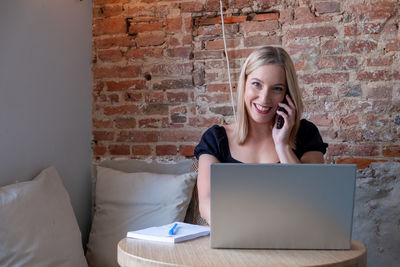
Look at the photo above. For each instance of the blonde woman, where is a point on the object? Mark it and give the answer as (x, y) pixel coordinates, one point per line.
(266, 81)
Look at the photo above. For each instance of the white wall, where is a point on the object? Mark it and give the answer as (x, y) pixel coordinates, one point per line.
(45, 95)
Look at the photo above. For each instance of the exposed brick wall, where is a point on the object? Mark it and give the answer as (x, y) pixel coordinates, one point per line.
(160, 78)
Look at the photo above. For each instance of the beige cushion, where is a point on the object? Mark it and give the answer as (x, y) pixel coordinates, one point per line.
(131, 201)
(37, 224)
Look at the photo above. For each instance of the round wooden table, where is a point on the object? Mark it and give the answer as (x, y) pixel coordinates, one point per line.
(197, 252)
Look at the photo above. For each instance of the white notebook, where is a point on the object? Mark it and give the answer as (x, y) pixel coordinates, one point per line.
(184, 231)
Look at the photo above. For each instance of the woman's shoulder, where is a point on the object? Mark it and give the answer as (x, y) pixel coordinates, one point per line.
(216, 131)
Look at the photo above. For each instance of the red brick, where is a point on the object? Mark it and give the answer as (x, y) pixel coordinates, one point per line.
(366, 150)
(153, 123)
(394, 46)
(363, 46)
(177, 97)
(150, 38)
(219, 44)
(135, 28)
(117, 72)
(302, 48)
(381, 92)
(99, 150)
(142, 53)
(322, 91)
(107, 11)
(194, 6)
(186, 150)
(109, 26)
(217, 29)
(327, 7)
(175, 68)
(240, 3)
(125, 109)
(205, 121)
(104, 2)
(154, 97)
(240, 53)
(351, 30)
(321, 120)
(266, 4)
(133, 96)
(260, 40)
(143, 150)
(109, 55)
(183, 52)
(103, 136)
(154, 109)
(349, 120)
(138, 19)
(113, 98)
(266, 16)
(125, 85)
(379, 10)
(214, 5)
(380, 61)
(325, 78)
(342, 63)
(219, 88)
(304, 15)
(119, 149)
(118, 41)
(391, 151)
(165, 150)
(173, 84)
(373, 76)
(259, 26)
(102, 124)
(201, 55)
(286, 16)
(180, 135)
(138, 136)
(362, 163)
(338, 149)
(174, 24)
(125, 123)
(316, 31)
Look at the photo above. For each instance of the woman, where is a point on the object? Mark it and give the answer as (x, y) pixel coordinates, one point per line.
(266, 79)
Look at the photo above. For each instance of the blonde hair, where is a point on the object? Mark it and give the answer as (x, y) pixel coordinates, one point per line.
(266, 56)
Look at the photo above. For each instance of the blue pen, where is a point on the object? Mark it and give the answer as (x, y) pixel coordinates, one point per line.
(172, 231)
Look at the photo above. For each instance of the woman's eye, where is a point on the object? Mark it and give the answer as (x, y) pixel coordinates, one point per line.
(278, 89)
(256, 84)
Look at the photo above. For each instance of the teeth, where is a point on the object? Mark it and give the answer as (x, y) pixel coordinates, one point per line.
(261, 108)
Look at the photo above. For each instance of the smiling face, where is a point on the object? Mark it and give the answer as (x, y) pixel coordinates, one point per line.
(265, 87)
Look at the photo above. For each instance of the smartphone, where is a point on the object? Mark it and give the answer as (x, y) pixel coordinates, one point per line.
(281, 121)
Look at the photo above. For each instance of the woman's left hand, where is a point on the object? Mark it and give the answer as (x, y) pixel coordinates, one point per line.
(281, 136)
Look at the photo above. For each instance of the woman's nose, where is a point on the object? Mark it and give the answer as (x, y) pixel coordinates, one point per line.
(264, 94)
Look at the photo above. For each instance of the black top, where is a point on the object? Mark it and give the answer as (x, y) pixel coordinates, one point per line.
(215, 142)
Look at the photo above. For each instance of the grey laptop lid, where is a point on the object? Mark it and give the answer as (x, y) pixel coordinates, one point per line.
(282, 206)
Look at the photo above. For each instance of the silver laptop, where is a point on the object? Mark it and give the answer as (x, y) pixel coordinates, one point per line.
(282, 206)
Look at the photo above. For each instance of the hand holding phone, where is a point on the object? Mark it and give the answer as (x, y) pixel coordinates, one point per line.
(281, 121)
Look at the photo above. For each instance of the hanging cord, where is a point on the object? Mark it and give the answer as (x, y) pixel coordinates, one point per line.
(227, 60)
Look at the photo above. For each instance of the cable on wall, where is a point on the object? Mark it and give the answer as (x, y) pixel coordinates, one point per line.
(227, 59)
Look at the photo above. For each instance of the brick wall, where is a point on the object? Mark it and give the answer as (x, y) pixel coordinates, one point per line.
(160, 77)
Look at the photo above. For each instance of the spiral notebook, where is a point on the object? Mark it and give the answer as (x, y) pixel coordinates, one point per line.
(183, 232)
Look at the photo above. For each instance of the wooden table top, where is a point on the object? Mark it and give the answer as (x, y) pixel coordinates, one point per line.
(197, 252)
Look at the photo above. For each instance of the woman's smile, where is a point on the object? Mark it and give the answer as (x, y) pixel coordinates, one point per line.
(262, 109)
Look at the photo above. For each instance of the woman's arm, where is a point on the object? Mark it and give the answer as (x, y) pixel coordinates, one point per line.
(312, 157)
(203, 185)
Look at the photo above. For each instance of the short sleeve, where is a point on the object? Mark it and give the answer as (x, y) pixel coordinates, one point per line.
(308, 139)
(213, 142)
